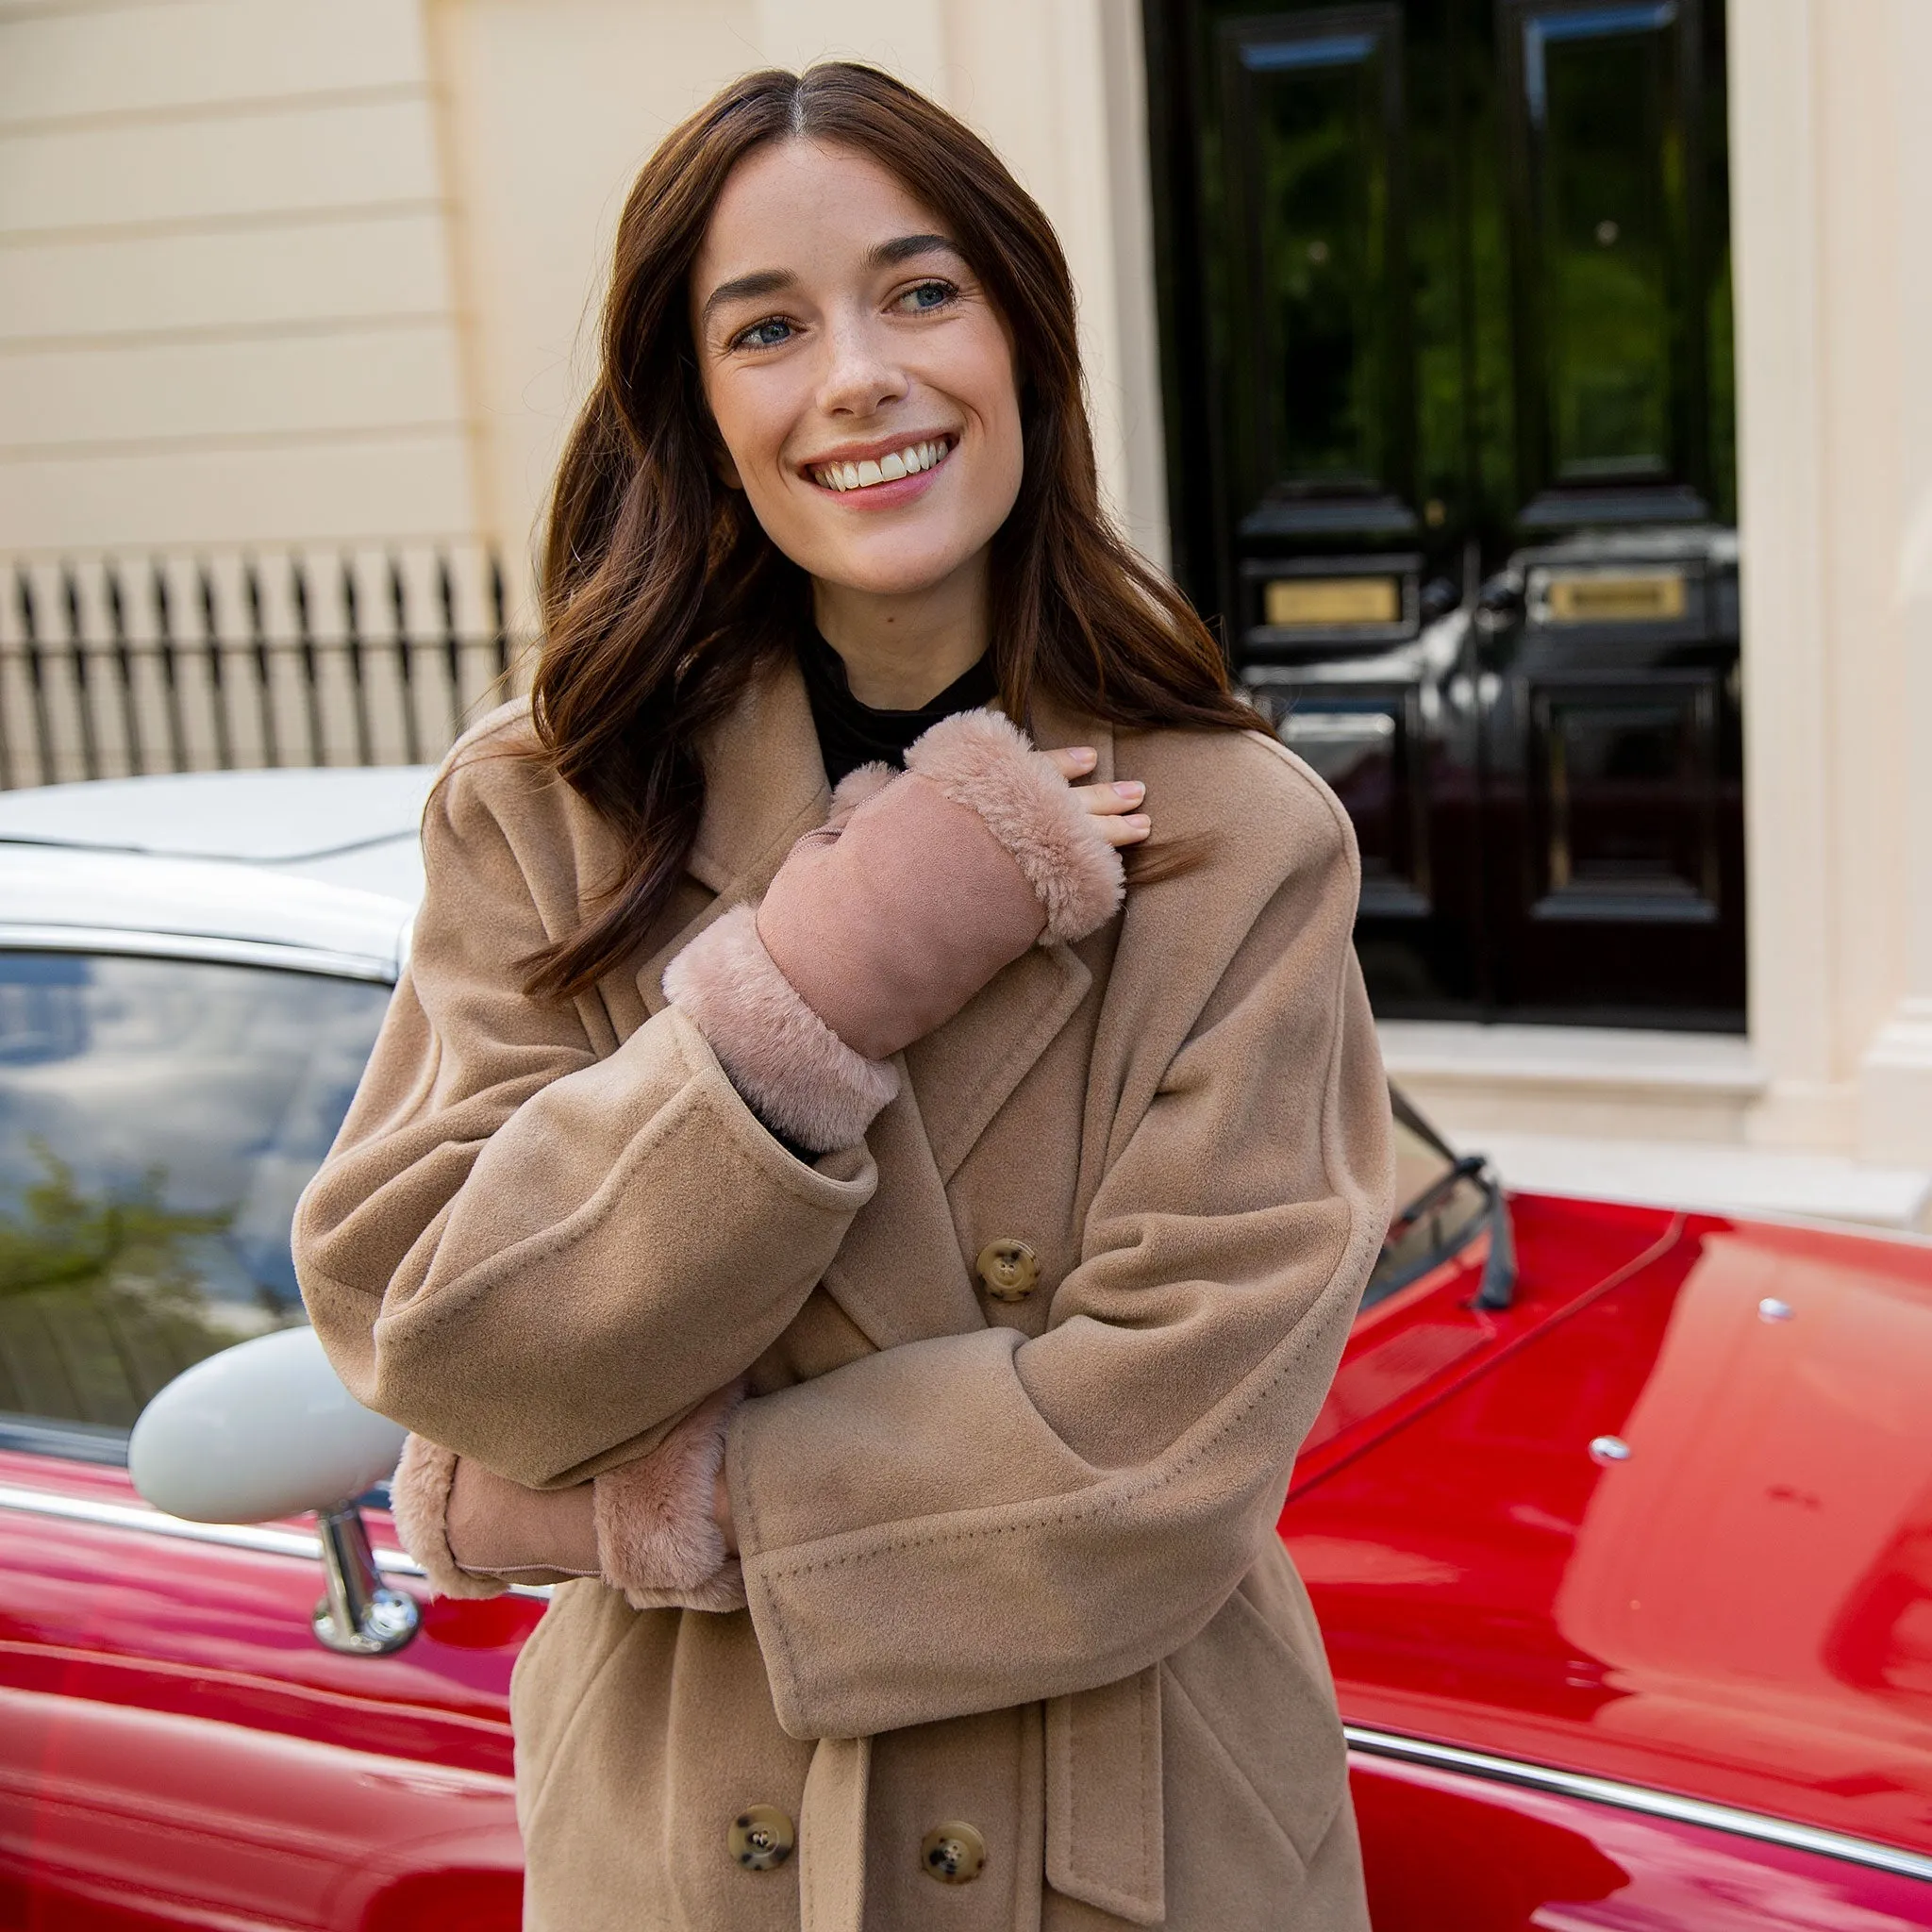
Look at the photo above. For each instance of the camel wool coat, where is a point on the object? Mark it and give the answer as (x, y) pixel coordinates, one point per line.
(1007, 1517)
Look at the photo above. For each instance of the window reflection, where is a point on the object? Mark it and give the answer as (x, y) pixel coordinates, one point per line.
(157, 1119)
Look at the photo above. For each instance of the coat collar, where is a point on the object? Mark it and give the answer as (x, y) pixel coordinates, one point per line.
(765, 785)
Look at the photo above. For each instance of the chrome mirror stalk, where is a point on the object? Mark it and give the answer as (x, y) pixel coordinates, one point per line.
(360, 1616)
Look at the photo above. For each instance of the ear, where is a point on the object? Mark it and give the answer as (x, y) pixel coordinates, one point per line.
(727, 469)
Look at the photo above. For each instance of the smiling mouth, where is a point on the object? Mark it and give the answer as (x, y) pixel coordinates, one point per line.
(890, 467)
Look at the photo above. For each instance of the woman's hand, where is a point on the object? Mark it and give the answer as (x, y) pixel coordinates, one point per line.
(1116, 806)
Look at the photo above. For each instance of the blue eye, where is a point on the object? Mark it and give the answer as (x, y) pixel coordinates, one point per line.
(928, 295)
(763, 335)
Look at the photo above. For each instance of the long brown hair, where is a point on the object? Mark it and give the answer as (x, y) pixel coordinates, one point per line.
(662, 597)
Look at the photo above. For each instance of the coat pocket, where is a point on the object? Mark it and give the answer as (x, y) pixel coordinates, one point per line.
(1254, 1742)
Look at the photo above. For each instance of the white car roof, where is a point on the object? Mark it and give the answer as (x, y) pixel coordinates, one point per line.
(271, 865)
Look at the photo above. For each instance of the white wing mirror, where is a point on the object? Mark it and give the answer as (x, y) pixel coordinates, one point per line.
(266, 1429)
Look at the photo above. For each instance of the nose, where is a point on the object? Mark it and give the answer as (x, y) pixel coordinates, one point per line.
(860, 375)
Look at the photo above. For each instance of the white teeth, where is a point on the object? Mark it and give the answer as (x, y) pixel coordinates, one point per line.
(909, 462)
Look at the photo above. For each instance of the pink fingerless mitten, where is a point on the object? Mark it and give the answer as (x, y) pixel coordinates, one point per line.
(880, 926)
(646, 1527)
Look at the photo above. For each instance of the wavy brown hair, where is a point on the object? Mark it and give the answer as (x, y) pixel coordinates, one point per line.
(662, 597)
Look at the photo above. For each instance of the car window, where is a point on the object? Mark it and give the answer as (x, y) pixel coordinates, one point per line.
(157, 1119)
(1436, 1215)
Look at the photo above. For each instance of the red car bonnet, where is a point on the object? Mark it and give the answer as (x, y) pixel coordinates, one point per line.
(1739, 1608)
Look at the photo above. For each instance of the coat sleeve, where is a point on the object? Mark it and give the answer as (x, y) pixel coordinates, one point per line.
(526, 1249)
(983, 1520)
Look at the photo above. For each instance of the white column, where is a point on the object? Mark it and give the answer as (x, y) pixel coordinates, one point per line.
(1895, 1072)
(1832, 182)
(1781, 442)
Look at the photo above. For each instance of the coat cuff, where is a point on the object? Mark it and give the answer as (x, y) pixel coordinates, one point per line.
(658, 1535)
(419, 1501)
(795, 1072)
(984, 761)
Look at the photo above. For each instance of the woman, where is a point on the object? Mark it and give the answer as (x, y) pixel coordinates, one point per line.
(886, 1274)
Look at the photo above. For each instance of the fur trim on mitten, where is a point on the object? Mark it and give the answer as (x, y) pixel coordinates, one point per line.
(799, 1075)
(419, 1501)
(658, 1535)
(983, 760)
(857, 786)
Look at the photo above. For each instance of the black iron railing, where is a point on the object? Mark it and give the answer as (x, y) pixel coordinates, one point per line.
(218, 662)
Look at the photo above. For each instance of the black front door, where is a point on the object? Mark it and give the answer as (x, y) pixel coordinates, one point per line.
(1446, 316)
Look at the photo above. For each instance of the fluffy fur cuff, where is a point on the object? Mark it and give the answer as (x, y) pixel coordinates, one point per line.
(857, 786)
(658, 1535)
(984, 761)
(799, 1075)
(419, 1500)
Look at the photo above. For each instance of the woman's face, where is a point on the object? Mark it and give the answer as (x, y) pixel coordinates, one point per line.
(861, 381)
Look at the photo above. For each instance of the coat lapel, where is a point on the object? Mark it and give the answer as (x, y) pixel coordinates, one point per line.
(899, 1274)
(765, 787)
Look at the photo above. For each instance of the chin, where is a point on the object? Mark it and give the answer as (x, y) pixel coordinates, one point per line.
(896, 570)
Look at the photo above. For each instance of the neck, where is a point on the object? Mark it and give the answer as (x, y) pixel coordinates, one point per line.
(901, 651)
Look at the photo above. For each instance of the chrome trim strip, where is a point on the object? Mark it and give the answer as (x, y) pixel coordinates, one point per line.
(1603, 1790)
(232, 1536)
(122, 943)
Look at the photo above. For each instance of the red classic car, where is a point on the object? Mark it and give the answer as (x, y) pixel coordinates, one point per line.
(1619, 1519)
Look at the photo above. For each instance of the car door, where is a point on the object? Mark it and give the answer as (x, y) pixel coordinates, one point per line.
(176, 1746)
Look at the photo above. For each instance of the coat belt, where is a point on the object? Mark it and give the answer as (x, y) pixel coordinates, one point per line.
(1103, 1768)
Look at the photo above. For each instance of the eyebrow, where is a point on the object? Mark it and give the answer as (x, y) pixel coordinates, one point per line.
(890, 253)
(773, 282)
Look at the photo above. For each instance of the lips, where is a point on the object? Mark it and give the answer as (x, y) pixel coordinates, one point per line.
(913, 460)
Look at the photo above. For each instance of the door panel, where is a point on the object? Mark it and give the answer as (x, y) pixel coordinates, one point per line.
(1314, 118)
(1365, 744)
(1602, 110)
(177, 1749)
(1445, 302)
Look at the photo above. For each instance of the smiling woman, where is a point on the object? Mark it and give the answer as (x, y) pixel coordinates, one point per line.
(812, 270)
(874, 1251)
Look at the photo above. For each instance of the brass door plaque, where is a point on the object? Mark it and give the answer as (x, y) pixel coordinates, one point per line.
(1330, 603)
(1649, 596)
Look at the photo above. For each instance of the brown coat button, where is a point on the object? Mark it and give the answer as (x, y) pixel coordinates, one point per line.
(761, 1837)
(1009, 1268)
(953, 1852)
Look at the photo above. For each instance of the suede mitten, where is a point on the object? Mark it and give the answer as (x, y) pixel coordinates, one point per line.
(881, 924)
(646, 1527)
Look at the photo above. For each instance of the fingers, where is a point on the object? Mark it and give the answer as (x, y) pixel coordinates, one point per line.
(1127, 831)
(1116, 806)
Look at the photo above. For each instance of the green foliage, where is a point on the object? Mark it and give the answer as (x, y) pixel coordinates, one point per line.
(101, 1302)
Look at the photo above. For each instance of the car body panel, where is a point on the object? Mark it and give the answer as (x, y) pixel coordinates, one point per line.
(101, 899)
(280, 818)
(1741, 1611)
(1524, 1858)
(177, 1748)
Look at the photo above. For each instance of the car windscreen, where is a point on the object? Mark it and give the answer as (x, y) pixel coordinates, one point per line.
(1439, 1209)
(157, 1119)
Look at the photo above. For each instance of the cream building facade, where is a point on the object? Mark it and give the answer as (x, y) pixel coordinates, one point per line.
(318, 277)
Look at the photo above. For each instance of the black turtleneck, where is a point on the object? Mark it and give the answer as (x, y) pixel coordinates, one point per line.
(852, 734)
